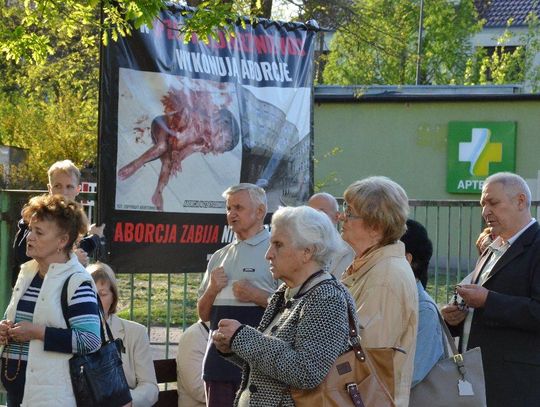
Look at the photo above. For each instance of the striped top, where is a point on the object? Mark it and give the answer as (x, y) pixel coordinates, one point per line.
(83, 336)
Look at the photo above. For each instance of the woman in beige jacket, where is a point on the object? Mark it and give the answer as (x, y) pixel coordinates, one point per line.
(380, 279)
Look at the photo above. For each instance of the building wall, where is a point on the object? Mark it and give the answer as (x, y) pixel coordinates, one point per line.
(406, 141)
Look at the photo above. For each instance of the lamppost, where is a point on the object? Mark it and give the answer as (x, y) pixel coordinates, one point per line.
(419, 50)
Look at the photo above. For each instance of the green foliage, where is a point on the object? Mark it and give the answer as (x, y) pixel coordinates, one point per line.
(48, 98)
(378, 45)
(208, 18)
(62, 127)
(44, 20)
(508, 65)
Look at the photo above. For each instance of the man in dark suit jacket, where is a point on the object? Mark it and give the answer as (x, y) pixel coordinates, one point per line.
(504, 297)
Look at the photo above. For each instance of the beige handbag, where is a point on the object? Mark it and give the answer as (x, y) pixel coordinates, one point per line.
(457, 381)
(358, 378)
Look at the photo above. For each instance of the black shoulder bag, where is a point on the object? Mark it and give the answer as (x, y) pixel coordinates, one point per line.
(98, 378)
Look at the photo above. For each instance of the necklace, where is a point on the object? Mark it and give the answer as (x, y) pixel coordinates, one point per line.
(12, 378)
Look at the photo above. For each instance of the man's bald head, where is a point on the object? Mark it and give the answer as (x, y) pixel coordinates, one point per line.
(326, 203)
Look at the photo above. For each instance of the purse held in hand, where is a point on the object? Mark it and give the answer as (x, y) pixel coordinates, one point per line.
(98, 378)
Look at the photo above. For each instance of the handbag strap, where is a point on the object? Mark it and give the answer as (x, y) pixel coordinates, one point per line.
(104, 326)
(352, 389)
(456, 356)
(354, 340)
(447, 334)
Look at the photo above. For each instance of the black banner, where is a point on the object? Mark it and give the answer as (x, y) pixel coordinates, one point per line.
(181, 121)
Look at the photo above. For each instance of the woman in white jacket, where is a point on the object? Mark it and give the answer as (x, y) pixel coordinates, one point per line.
(136, 359)
(35, 342)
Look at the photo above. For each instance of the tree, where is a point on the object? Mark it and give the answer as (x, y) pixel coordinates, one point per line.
(49, 107)
(508, 64)
(32, 40)
(49, 91)
(329, 15)
(64, 127)
(378, 44)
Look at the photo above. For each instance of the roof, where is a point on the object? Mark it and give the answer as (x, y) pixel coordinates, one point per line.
(498, 12)
(452, 93)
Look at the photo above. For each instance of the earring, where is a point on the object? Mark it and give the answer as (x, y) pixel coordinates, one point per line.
(58, 250)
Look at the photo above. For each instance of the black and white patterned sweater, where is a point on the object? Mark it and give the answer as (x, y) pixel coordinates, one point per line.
(301, 347)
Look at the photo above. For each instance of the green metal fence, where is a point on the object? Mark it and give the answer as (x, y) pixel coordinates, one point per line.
(166, 303)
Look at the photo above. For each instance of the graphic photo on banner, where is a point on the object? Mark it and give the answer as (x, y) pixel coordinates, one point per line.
(179, 133)
(175, 134)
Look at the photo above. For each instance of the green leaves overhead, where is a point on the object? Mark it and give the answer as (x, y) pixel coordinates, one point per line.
(378, 45)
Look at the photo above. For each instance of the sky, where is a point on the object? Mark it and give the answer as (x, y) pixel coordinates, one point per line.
(283, 10)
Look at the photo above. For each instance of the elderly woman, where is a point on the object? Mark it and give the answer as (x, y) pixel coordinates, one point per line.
(136, 360)
(380, 279)
(305, 326)
(35, 343)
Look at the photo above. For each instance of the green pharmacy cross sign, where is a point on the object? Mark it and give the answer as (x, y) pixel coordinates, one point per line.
(477, 150)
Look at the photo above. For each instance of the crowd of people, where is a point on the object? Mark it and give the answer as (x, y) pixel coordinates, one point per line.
(276, 306)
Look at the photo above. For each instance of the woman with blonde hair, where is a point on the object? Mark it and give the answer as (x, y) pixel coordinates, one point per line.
(380, 278)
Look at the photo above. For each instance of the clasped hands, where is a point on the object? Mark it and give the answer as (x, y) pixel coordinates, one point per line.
(242, 290)
(473, 295)
(19, 332)
(222, 336)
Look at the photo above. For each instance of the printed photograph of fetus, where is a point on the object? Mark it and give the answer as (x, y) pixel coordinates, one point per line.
(178, 142)
(183, 141)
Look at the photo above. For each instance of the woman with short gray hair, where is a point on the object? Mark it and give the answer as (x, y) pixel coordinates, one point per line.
(305, 326)
(380, 279)
(306, 228)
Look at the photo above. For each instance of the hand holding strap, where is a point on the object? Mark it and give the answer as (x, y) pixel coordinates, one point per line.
(458, 357)
(104, 327)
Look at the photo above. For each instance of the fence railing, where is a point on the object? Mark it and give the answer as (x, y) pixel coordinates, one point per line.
(166, 303)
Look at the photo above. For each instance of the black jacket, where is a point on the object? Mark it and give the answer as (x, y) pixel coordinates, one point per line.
(507, 328)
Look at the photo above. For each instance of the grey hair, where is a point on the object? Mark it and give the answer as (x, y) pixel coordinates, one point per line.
(328, 197)
(512, 183)
(256, 193)
(309, 228)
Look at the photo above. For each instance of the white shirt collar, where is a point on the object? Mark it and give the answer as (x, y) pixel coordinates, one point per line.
(518, 234)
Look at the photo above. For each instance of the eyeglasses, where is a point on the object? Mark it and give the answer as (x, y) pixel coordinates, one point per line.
(347, 213)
